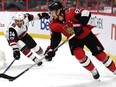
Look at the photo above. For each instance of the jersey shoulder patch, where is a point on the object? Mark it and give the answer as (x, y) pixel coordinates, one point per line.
(85, 13)
(77, 11)
(12, 34)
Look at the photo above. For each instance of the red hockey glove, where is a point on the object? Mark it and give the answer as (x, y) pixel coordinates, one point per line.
(49, 54)
(78, 29)
(44, 15)
(16, 54)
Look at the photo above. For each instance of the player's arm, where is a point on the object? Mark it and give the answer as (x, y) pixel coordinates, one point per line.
(82, 17)
(37, 16)
(54, 42)
(13, 38)
(55, 39)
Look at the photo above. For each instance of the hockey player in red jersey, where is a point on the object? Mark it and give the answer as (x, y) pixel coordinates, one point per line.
(75, 21)
(18, 38)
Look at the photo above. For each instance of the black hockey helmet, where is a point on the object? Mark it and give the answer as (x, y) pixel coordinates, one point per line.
(55, 6)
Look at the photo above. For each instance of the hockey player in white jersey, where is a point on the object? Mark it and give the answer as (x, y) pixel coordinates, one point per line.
(18, 38)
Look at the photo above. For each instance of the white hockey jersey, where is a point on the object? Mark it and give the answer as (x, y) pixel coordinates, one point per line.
(15, 33)
(22, 30)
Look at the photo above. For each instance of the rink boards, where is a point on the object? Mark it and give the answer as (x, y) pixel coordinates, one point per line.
(105, 29)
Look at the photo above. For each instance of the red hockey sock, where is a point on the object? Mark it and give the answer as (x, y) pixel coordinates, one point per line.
(84, 60)
(27, 52)
(107, 61)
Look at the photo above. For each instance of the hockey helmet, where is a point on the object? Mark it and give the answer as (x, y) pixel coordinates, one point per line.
(55, 6)
(19, 16)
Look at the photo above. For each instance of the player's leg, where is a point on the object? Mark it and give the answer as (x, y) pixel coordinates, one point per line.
(27, 52)
(38, 50)
(97, 50)
(107, 61)
(86, 62)
(76, 48)
(30, 42)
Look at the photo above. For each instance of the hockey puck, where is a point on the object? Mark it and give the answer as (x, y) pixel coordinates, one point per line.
(10, 80)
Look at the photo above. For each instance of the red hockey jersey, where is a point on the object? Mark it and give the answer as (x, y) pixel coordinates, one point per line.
(67, 27)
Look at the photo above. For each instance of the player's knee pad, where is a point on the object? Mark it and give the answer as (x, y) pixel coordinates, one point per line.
(79, 53)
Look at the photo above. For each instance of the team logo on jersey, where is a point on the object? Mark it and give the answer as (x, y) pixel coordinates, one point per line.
(70, 30)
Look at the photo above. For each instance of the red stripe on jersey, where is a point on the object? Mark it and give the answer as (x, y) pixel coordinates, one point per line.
(12, 44)
(10, 41)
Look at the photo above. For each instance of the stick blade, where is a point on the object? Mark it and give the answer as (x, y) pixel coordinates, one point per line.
(10, 78)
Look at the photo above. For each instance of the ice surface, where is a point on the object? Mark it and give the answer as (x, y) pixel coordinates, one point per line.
(63, 71)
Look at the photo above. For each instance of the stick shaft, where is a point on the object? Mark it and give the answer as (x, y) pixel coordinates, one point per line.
(13, 78)
(9, 66)
(44, 56)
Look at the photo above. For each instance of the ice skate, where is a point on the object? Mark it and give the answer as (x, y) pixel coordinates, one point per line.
(95, 74)
(36, 60)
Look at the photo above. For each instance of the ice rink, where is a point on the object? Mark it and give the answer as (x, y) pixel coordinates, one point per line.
(63, 71)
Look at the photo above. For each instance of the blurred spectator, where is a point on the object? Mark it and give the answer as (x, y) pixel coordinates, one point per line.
(62, 1)
(15, 5)
(114, 3)
(37, 4)
(102, 5)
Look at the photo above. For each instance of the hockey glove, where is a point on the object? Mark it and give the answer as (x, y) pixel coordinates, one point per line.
(16, 54)
(78, 29)
(44, 15)
(49, 54)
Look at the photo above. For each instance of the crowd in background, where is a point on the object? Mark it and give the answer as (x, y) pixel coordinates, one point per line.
(43, 4)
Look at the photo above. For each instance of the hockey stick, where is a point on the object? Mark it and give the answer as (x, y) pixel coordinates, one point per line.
(11, 78)
(8, 66)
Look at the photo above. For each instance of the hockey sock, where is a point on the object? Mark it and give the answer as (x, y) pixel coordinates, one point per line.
(38, 50)
(84, 60)
(27, 52)
(107, 61)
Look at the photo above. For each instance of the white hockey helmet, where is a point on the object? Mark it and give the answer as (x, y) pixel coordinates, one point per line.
(19, 16)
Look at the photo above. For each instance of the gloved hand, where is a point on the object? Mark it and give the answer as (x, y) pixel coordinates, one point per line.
(78, 29)
(44, 15)
(49, 54)
(16, 54)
